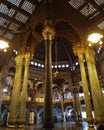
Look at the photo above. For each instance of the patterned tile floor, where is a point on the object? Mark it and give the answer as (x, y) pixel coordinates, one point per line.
(58, 126)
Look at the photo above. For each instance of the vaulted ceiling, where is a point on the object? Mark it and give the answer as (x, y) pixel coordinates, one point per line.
(73, 20)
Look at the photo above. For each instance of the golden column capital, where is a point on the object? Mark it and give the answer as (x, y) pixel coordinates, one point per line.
(27, 55)
(79, 51)
(48, 31)
(18, 60)
(27, 58)
(22, 55)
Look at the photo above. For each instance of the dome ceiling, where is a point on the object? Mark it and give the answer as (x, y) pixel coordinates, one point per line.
(61, 50)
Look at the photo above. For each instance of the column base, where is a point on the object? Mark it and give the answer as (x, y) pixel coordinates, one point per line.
(12, 123)
(90, 122)
(91, 129)
(11, 126)
(91, 125)
(21, 126)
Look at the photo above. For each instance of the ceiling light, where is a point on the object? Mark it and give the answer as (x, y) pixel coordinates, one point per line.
(63, 66)
(89, 44)
(36, 64)
(16, 52)
(5, 50)
(39, 65)
(76, 63)
(3, 44)
(42, 66)
(67, 65)
(55, 66)
(32, 63)
(5, 90)
(100, 42)
(59, 66)
(95, 37)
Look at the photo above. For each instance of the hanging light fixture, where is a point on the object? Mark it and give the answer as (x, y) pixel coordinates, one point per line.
(95, 37)
(3, 45)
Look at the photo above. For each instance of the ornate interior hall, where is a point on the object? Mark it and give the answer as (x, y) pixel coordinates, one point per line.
(52, 64)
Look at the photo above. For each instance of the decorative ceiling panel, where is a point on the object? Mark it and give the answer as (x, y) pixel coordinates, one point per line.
(1, 32)
(97, 13)
(13, 26)
(39, 0)
(88, 9)
(76, 3)
(5, 10)
(15, 2)
(15, 13)
(8, 36)
(101, 25)
(21, 17)
(11, 12)
(3, 22)
(99, 2)
(27, 6)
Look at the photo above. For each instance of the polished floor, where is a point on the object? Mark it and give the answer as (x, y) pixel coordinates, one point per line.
(58, 126)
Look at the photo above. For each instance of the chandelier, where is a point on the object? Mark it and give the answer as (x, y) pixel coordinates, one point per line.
(3, 45)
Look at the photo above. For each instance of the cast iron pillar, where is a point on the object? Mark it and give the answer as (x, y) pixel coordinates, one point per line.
(21, 120)
(14, 107)
(79, 51)
(95, 86)
(48, 35)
